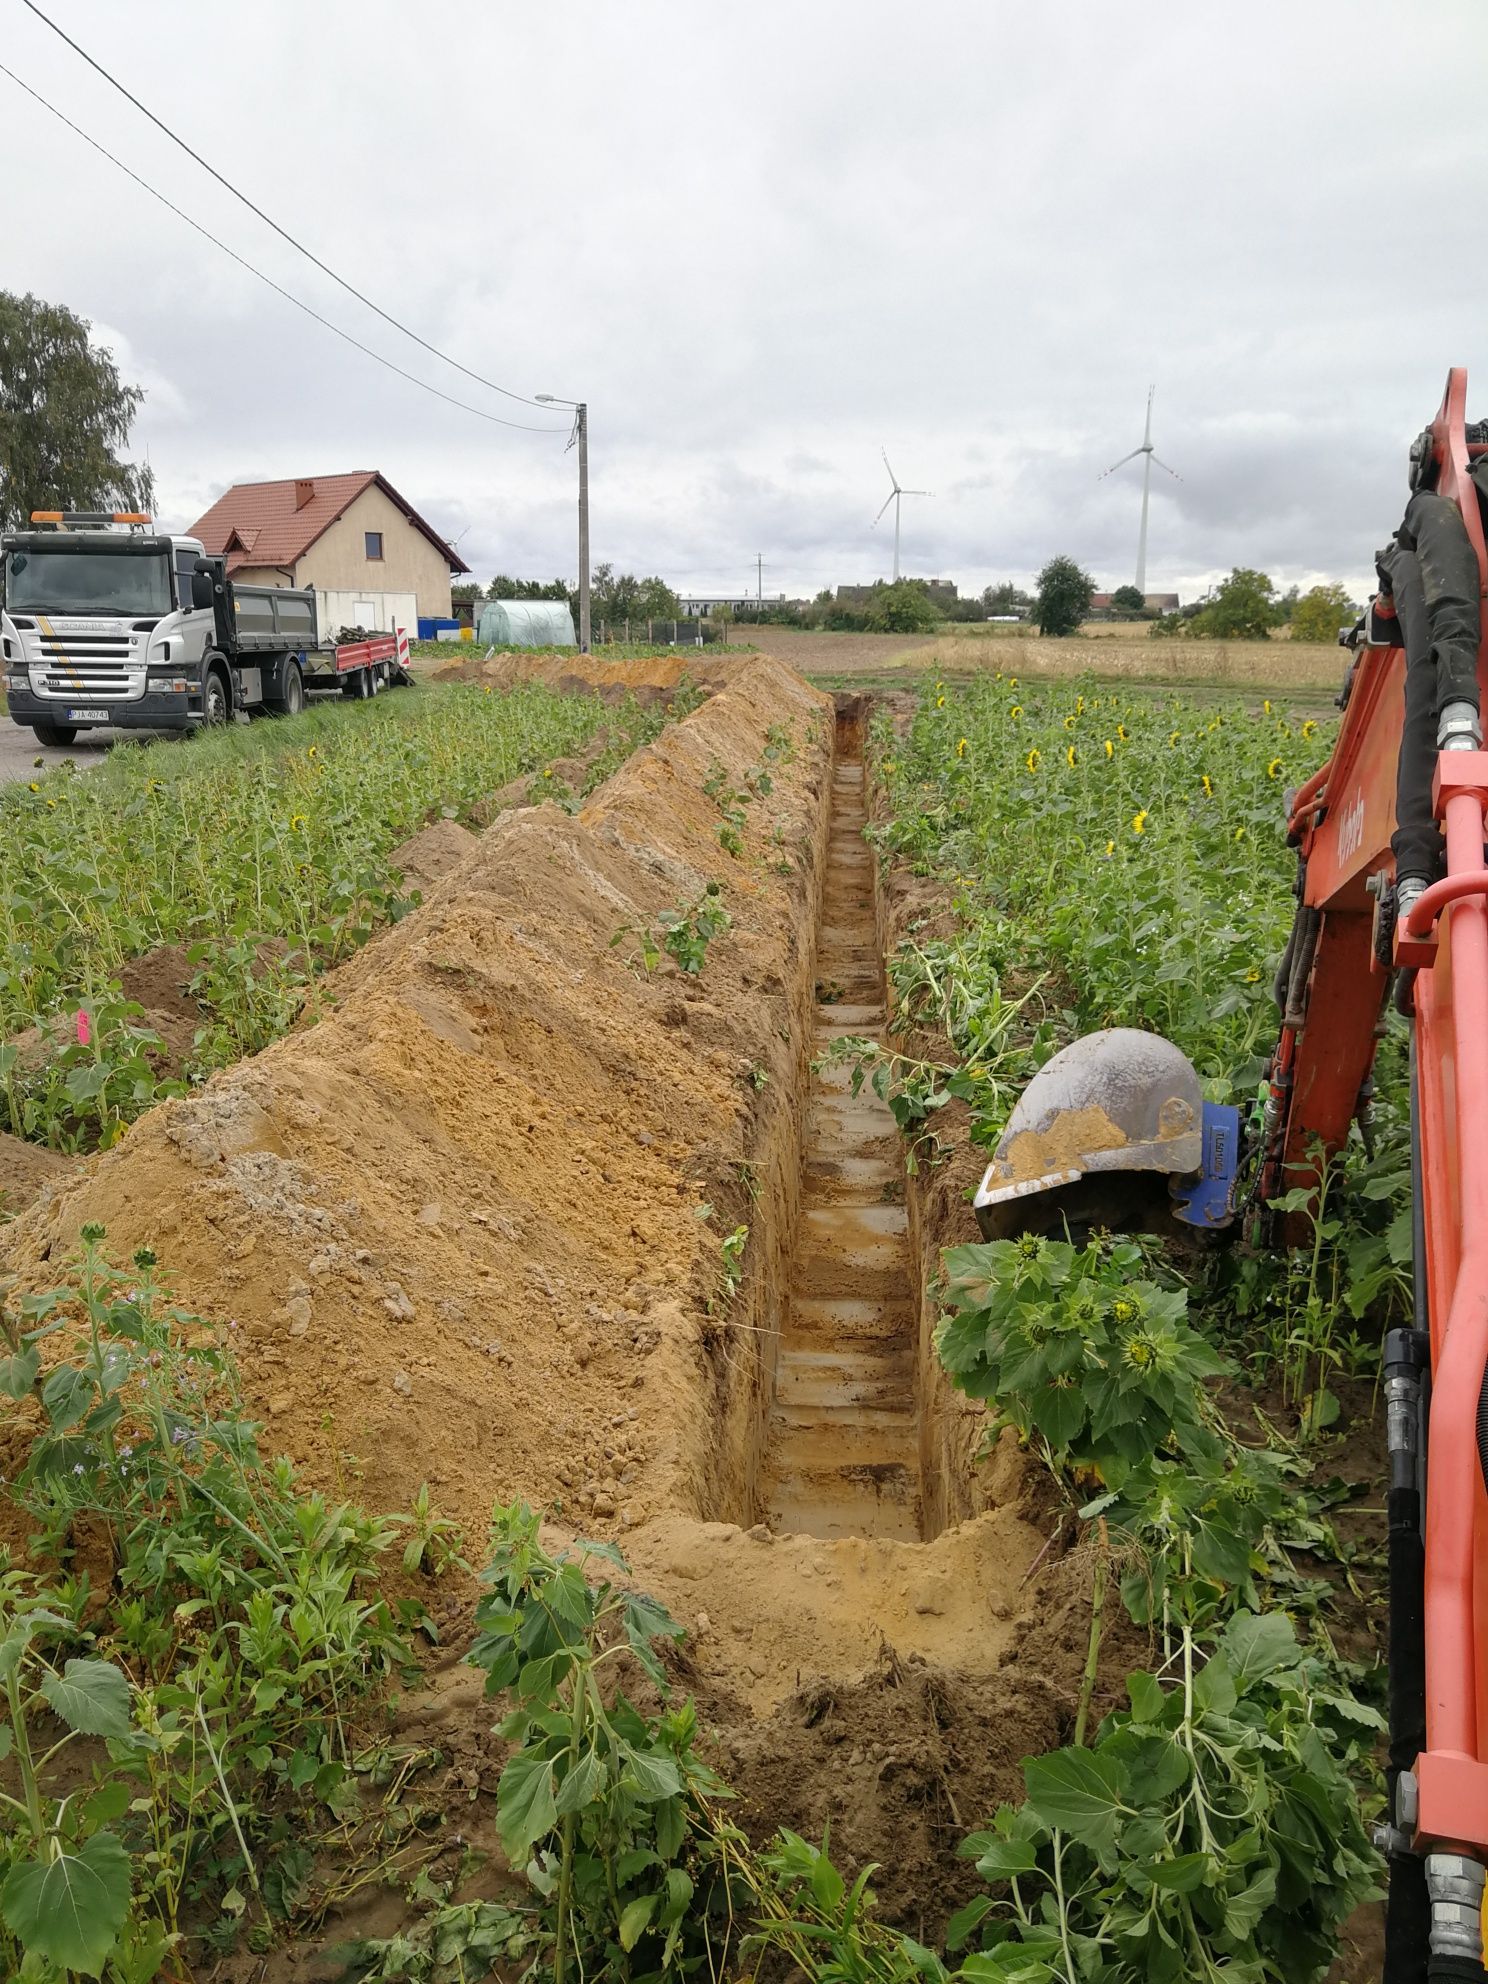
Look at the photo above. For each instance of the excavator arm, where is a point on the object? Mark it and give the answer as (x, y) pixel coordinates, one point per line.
(1393, 900)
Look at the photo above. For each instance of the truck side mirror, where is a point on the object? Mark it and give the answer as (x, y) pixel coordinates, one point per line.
(202, 590)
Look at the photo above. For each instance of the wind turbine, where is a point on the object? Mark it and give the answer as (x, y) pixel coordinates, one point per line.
(1148, 458)
(895, 492)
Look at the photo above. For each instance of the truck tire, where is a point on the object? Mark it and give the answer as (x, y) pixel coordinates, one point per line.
(53, 733)
(290, 697)
(216, 699)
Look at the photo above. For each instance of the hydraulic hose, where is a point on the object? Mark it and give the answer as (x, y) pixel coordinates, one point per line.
(1431, 571)
(1408, 1906)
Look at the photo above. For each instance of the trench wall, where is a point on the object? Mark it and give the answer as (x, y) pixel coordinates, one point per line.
(456, 1229)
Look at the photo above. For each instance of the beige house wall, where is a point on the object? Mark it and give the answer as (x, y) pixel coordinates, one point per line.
(338, 561)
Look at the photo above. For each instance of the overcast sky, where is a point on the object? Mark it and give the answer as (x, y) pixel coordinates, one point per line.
(767, 241)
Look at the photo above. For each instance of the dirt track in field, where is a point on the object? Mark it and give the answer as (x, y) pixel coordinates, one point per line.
(458, 1227)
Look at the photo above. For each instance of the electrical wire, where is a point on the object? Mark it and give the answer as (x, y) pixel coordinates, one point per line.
(480, 413)
(267, 219)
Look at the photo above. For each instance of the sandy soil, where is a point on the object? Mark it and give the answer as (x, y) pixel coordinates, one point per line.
(459, 1228)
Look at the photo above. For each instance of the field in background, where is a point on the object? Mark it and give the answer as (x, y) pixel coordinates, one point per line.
(846, 660)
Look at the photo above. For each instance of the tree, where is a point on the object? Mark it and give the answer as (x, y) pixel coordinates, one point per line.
(1006, 598)
(1242, 608)
(1320, 613)
(902, 608)
(1063, 599)
(655, 600)
(1128, 599)
(64, 415)
(466, 589)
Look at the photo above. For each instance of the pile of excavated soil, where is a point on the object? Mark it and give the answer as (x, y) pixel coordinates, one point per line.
(467, 1228)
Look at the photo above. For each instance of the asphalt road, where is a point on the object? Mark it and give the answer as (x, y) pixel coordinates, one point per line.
(20, 753)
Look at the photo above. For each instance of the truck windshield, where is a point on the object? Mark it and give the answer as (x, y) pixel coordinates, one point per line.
(68, 581)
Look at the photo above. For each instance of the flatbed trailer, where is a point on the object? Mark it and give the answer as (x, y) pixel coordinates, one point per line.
(116, 627)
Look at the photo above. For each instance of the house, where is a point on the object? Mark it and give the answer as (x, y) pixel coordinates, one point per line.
(702, 606)
(1152, 602)
(940, 590)
(350, 535)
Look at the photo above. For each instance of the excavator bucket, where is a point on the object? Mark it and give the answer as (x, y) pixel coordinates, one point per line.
(1117, 1101)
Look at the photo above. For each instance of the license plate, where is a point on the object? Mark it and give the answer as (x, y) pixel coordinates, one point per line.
(87, 716)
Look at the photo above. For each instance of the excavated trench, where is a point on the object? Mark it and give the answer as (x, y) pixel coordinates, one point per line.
(842, 1443)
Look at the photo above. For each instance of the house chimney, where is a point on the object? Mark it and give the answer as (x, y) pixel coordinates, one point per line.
(304, 492)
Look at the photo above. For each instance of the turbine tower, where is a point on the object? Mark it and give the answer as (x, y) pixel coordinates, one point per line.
(895, 492)
(1148, 458)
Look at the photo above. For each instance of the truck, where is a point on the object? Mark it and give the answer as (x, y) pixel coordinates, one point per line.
(108, 623)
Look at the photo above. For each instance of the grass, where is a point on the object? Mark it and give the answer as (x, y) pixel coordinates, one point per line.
(263, 850)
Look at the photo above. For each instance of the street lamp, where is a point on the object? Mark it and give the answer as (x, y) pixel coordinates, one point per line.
(581, 434)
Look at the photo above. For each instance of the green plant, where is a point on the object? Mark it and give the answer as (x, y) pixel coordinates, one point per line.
(65, 1877)
(435, 1544)
(246, 1609)
(683, 933)
(1076, 1345)
(91, 1072)
(731, 1264)
(1211, 1830)
(608, 1809)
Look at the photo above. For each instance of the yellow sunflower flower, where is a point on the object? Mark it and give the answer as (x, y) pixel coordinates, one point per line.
(1266, 705)
(1069, 723)
(1110, 748)
(1069, 756)
(1273, 770)
(1139, 821)
(1016, 711)
(1309, 727)
(1121, 732)
(1208, 785)
(1032, 760)
(1110, 847)
(1173, 740)
(961, 748)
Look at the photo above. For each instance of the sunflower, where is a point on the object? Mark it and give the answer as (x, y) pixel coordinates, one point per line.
(1266, 705)
(961, 748)
(1016, 711)
(1032, 760)
(1121, 732)
(1208, 785)
(1110, 847)
(1110, 748)
(1139, 821)
(1309, 727)
(1173, 739)
(1273, 770)
(1069, 756)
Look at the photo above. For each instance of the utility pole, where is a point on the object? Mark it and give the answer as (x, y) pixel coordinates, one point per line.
(759, 582)
(581, 435)
(582, 425)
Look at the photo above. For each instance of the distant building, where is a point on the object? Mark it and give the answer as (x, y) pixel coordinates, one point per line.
(938, 589)
(702, 606)
(343, 534)
(1152, 602)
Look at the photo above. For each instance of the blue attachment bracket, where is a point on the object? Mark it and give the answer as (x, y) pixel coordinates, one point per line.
(1205, 1200)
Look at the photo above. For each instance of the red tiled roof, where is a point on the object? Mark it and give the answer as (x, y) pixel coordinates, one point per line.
(257, 523)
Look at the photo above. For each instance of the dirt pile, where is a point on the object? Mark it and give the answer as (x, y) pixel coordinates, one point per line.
(468, 1229)
(457, 1223)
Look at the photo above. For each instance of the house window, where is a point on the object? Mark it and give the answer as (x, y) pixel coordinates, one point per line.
(374, 543)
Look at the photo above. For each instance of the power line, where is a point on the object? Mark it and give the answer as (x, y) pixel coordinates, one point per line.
(268, 221)
(207, 235)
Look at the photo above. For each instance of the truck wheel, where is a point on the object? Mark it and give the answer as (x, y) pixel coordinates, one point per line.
(216, 700)
(53, 733)
(291, 697)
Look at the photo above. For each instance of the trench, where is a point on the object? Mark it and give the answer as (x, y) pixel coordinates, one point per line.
(842, 1442)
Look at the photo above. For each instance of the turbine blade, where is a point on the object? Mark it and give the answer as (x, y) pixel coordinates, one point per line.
(886, 502)
(889, 466)
(916, 492)
(1116, 465)
(1171, 471)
